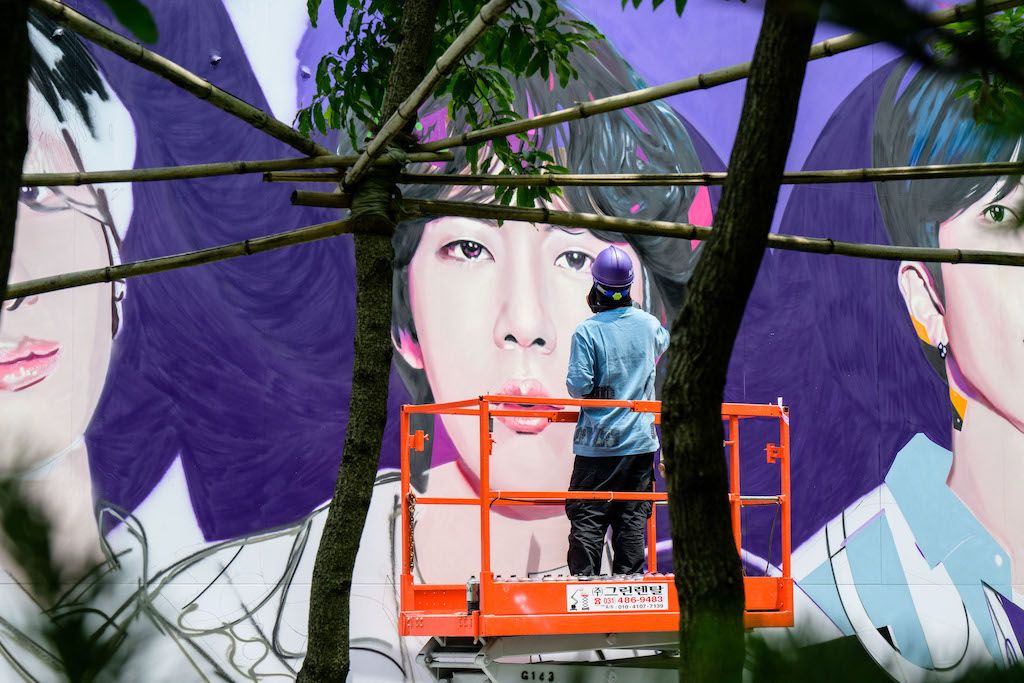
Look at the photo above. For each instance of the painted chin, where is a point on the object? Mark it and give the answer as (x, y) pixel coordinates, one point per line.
(27, 364)
(525, 425)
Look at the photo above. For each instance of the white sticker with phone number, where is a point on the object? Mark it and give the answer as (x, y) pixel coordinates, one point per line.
(615, 597)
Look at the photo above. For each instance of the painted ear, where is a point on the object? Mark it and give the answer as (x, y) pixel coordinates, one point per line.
(922, 301)
(408, 349)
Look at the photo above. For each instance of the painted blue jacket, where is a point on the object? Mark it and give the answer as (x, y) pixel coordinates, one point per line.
(613, 356)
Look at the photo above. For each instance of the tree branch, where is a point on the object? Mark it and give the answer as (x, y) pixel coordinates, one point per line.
(16, 54)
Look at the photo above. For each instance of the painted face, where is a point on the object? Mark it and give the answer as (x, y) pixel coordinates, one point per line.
(55, 347)
(495, 310)
(984, 305)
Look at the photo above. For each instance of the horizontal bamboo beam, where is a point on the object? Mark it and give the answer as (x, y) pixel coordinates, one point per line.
(814, 245)
(853, 175)
(176, 74)
(329, 200)
(488, 15)
(138, 175)
(185, 260)
(729, 74)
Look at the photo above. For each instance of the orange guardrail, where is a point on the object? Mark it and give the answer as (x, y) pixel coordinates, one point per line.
(488, 606)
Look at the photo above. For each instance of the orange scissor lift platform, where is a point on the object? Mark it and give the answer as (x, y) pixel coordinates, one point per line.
(522, 616)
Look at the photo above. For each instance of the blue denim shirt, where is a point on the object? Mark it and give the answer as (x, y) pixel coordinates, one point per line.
(613, 356)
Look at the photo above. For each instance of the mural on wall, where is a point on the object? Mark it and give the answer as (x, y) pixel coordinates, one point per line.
(185, 428)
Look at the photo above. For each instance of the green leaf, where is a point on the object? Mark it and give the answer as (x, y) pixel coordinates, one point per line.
(134, 16)
(313, 9)
(340, 9)
(304, 120)
(318, 118)
(680, 6)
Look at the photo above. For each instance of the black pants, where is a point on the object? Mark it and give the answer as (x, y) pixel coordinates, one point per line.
(590, 519)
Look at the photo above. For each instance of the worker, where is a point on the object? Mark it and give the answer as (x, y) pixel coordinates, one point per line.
(613, 356)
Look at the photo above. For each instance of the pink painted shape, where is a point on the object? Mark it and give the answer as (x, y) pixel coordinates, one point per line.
(700, 212)
(635, 208)
(633, 117)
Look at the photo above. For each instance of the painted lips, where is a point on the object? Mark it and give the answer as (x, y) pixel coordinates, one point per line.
(527, 388)
(26, 362)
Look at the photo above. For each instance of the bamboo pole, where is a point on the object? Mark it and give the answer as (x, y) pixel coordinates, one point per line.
(185, 260)
(488, 15)
(853, 175)
(138, 175)
(329, 200)
(729, 74)
(814, 245)
(181, 77)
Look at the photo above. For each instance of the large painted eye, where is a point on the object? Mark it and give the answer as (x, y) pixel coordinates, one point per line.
(574, 260)
(41, 199)
(997, 214)
(466, 250)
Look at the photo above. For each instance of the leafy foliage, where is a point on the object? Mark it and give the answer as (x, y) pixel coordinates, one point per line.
(67, 629)
(134, 16)
(680, 4)
(532, 38)
(997, 100)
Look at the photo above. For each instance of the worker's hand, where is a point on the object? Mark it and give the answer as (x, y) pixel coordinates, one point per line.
(661, 468)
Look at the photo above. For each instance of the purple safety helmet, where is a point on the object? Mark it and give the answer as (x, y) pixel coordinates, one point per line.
(612, 269)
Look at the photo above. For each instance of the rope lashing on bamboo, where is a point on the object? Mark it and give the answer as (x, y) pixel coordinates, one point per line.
(703, 81)
(176, 74)
(376, 188)
(814, 245)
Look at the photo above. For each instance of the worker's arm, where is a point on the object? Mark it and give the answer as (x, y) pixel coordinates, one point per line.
(661, 341)
(580, 379)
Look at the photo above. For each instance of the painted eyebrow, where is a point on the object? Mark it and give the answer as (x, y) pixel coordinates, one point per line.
(571, 231)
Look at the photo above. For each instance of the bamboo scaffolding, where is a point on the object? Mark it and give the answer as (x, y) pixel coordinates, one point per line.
(814, 245)
(176, 261)
(438, 208)
(853, 175)
(183, 78)
(488, 15)
(729, 74)
(137, 175)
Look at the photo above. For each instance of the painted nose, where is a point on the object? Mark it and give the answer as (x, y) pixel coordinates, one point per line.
(524, 319)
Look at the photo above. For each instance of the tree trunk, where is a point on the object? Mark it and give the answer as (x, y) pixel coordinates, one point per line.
(709, 574)
(327, 655)
(14, 56)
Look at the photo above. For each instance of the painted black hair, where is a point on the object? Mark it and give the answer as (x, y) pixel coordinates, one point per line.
(920, 121)
(650, 138)
(72, 78)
